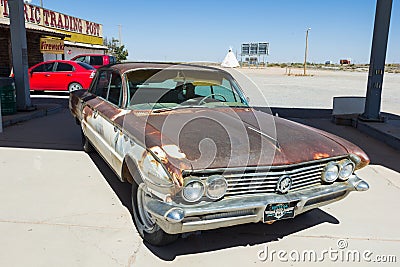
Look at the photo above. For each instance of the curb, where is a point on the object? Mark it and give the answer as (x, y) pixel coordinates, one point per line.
(41, 111)
(379, 134)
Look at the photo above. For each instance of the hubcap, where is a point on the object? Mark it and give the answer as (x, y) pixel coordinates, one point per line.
(74, 87)
(148, 224)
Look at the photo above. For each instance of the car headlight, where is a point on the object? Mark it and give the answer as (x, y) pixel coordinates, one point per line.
(193, 191)
(346, 169)
(331, 172)
(216, 186)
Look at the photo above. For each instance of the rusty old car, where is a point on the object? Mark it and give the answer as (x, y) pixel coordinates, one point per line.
(199, 157)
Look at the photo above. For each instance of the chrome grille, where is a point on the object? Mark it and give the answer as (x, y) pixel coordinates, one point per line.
(264, 180)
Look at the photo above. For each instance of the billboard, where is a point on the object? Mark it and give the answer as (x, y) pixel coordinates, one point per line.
(263, 48)
(245, 49)
(251, 49)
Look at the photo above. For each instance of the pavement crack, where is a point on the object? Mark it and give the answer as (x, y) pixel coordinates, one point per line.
(95, 245)
(132, 258)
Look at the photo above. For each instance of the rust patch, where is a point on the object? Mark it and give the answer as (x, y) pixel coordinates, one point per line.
(160, 154)
(321, 156)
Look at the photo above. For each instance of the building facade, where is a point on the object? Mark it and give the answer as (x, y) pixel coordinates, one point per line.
(50, 35)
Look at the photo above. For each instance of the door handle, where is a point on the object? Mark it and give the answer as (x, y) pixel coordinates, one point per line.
(47, 75)
(69, 75)
(115, 129)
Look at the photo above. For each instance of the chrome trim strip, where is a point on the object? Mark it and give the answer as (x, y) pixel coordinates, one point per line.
(257, 168)
(275, 142)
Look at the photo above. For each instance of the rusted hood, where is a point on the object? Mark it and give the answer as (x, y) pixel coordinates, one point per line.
(219, 138)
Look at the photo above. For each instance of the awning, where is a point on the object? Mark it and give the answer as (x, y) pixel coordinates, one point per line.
(83, 45)
(5, 23)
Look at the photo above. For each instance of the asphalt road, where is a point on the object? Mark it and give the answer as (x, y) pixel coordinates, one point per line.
(62, 207)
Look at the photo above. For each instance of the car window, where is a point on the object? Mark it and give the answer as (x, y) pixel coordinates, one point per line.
(64, 67)
(112, 60)
(44, 67)
(96, 60)
(202, 90)
(115, 91)
(102, 83)
(39, 68)
(225, 92)
(81, 59)
(86, 66)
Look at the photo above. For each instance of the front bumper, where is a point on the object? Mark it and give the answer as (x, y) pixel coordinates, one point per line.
(179, 218)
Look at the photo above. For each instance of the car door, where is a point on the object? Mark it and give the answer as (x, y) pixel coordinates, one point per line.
(93, 124)
(109, 115)
(40, 77)
(114, 113)
(63, 76)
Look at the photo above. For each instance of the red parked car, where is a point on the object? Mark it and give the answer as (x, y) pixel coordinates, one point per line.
(60, 75)
(96, 60)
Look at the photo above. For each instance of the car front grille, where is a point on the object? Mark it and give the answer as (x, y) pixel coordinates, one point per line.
(264, 180)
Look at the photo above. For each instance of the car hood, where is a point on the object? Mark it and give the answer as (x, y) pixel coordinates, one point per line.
(208, 138)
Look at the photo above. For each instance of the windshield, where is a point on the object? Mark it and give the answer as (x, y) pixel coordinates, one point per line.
(177, 88)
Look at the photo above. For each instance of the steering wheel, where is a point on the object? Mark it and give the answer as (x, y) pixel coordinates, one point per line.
(202, 101)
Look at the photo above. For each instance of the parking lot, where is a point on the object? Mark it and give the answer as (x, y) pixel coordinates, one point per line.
(62, 207)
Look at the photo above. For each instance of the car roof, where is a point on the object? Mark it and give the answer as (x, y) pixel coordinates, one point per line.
(128, 66)
(75, 63)
(58, 60)
(91, 55)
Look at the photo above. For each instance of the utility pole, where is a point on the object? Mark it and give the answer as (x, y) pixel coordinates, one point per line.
(19, 54)
(120, 34)
(41, 3)
(305, 54)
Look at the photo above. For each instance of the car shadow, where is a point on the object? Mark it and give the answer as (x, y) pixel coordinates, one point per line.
(122, 190)
(217, 239)
(241, 235)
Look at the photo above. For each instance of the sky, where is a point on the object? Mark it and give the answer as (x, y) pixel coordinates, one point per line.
(183, 30)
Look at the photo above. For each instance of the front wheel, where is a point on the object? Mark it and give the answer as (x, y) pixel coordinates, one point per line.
(74, 86)
(145, 224)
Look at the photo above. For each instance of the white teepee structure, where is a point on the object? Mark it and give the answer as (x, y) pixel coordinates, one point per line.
(230, 60)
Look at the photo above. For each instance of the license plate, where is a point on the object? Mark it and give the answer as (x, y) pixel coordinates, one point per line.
(279, 211)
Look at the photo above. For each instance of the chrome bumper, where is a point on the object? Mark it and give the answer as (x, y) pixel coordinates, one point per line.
(178, 218)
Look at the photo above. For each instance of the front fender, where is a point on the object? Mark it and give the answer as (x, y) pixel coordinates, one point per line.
(140, 166)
